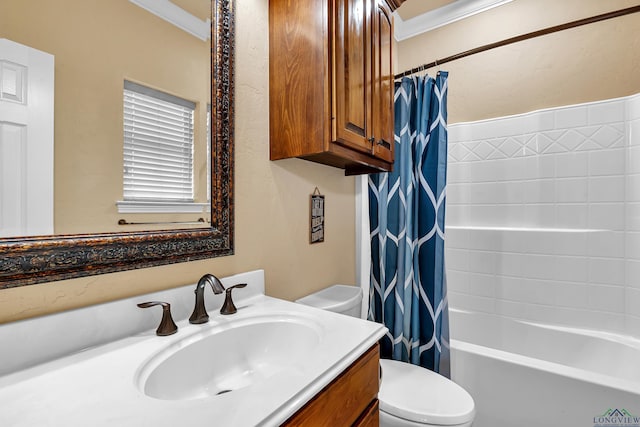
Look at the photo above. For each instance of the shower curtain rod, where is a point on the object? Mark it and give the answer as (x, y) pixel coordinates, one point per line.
(522, 37)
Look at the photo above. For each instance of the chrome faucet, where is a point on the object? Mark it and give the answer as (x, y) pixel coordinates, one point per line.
(200, 314)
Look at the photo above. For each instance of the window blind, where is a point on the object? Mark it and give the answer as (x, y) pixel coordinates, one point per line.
(158, 145)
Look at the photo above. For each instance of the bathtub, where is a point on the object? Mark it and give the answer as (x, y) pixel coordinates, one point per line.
(524, 374)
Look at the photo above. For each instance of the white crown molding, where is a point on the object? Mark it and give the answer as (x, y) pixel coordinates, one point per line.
(177, 16)
(442, 16)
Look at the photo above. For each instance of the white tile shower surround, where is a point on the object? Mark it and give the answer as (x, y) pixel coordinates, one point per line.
(543, 216)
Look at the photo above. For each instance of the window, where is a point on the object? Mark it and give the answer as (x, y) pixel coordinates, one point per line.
(158, 149)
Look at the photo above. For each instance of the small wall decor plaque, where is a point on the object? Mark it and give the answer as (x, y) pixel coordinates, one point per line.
(316, 229)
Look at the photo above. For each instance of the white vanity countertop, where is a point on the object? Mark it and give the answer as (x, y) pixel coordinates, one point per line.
(99, 386)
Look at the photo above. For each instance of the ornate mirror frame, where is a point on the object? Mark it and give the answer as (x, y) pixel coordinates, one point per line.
(31, 260)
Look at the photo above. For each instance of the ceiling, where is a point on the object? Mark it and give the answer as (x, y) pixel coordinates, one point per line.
(412, 8)
(419, 16)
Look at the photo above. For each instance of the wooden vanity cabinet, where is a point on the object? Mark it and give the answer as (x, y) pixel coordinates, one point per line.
(350, 400)
(331, 82)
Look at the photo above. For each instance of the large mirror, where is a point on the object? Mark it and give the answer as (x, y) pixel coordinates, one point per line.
(102, 222)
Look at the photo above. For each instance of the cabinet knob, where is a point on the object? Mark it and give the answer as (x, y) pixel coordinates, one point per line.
(372, 139)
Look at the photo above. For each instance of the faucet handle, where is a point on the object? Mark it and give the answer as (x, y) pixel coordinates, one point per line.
(229, 307)
(167, 325)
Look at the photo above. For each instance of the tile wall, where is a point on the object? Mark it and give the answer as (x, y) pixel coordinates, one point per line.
(543, 216)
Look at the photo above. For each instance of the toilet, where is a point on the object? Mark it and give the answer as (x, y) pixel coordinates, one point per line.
(410, 396)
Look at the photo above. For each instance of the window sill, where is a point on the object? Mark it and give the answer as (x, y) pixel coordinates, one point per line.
(139, 206)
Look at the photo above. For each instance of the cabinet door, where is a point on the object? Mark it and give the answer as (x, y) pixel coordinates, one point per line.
(352, 74)
(370, 417)
(383, 80)
(348, 400)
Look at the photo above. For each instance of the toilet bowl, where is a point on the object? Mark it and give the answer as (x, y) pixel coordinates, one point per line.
(410, 396)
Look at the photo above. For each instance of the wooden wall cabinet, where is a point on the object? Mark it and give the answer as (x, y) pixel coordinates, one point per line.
(350, 400)
(331, 82)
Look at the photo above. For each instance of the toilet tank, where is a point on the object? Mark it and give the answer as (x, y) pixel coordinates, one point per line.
(337, 298)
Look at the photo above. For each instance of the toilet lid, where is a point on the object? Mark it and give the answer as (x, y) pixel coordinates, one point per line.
(420, 395)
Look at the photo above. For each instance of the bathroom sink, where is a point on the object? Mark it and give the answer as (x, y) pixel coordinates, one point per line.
(229, 357)
(273, 356)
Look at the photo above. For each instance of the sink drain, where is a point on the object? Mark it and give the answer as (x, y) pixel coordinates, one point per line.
(222, 392)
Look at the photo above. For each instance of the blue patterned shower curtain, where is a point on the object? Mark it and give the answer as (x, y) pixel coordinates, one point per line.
(406, 208)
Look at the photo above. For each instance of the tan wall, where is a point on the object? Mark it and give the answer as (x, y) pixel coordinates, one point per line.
(593, 62)
(272, 208)
(98, 44)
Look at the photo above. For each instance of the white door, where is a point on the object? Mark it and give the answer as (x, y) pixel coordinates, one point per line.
(26, 140)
